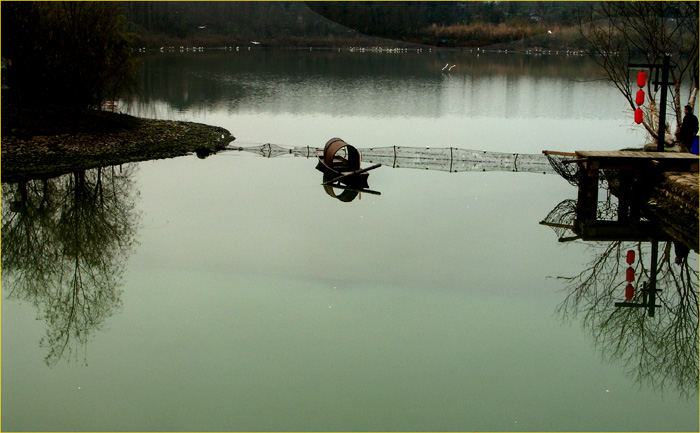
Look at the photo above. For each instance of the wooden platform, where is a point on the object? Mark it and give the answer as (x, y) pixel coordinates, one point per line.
(635, 171)
(631, 160)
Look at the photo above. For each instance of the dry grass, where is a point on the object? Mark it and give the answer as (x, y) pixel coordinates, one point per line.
(510, 35)
(495, 32)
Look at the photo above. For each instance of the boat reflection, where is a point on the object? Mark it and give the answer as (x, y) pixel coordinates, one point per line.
(343, 192)
(637, 297)
(64, 244)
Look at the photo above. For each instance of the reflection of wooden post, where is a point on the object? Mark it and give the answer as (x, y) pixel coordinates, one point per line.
(623, 198)
(652, 277)
(649, 289)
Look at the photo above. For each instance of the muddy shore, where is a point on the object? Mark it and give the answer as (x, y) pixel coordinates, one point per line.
(47, 143)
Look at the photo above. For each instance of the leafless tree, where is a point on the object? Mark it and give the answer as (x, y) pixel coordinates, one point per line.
(620, 33)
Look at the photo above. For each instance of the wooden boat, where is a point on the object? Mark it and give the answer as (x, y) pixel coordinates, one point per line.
(340, 162)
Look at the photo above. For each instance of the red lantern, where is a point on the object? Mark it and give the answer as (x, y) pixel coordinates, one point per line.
(630, 275)
(638, 115)
(640, 97)
(641, 79)
(630, 257)
(629, 292)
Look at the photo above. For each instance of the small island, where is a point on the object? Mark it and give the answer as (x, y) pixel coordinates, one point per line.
(50, 142)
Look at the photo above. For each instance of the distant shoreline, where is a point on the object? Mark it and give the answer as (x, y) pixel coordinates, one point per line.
(362, 49)
(564, 40)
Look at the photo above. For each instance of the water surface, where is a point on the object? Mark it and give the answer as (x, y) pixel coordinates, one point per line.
(233, 293)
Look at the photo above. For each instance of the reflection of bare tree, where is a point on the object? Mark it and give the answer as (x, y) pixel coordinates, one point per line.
(64, 241)
(661, 351)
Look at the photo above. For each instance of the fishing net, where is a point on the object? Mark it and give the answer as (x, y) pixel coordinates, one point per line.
(561, 218)
(305, 152)
(453, 159)
(268, 150)
(562, 165)
(450, 159)
(569, 171)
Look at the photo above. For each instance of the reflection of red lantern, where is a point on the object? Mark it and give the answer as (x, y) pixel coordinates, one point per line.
(629, 292)
(638, 115)
(641, 79)
(630, 274)
(630, 257)
(640, 97)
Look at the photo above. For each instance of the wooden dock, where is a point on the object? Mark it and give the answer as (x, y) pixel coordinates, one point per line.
(635, 169)
(636, 174)
(635, 160)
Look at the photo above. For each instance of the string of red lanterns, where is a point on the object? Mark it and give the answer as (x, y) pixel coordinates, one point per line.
(641, 82)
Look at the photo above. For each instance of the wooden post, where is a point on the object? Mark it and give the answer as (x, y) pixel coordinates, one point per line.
(591, 212)
(587, 204)
(581, 200)
(665, 69)
(623, 208)
(662, 108)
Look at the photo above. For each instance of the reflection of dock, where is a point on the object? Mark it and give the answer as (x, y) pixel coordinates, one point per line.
(635, 178)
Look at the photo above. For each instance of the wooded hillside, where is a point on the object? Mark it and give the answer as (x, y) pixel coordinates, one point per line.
(335, 23)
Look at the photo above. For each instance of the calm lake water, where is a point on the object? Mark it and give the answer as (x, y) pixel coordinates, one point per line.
(235, 293)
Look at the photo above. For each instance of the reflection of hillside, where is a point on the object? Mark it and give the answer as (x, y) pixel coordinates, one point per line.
(64, 243)
(335, 83)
